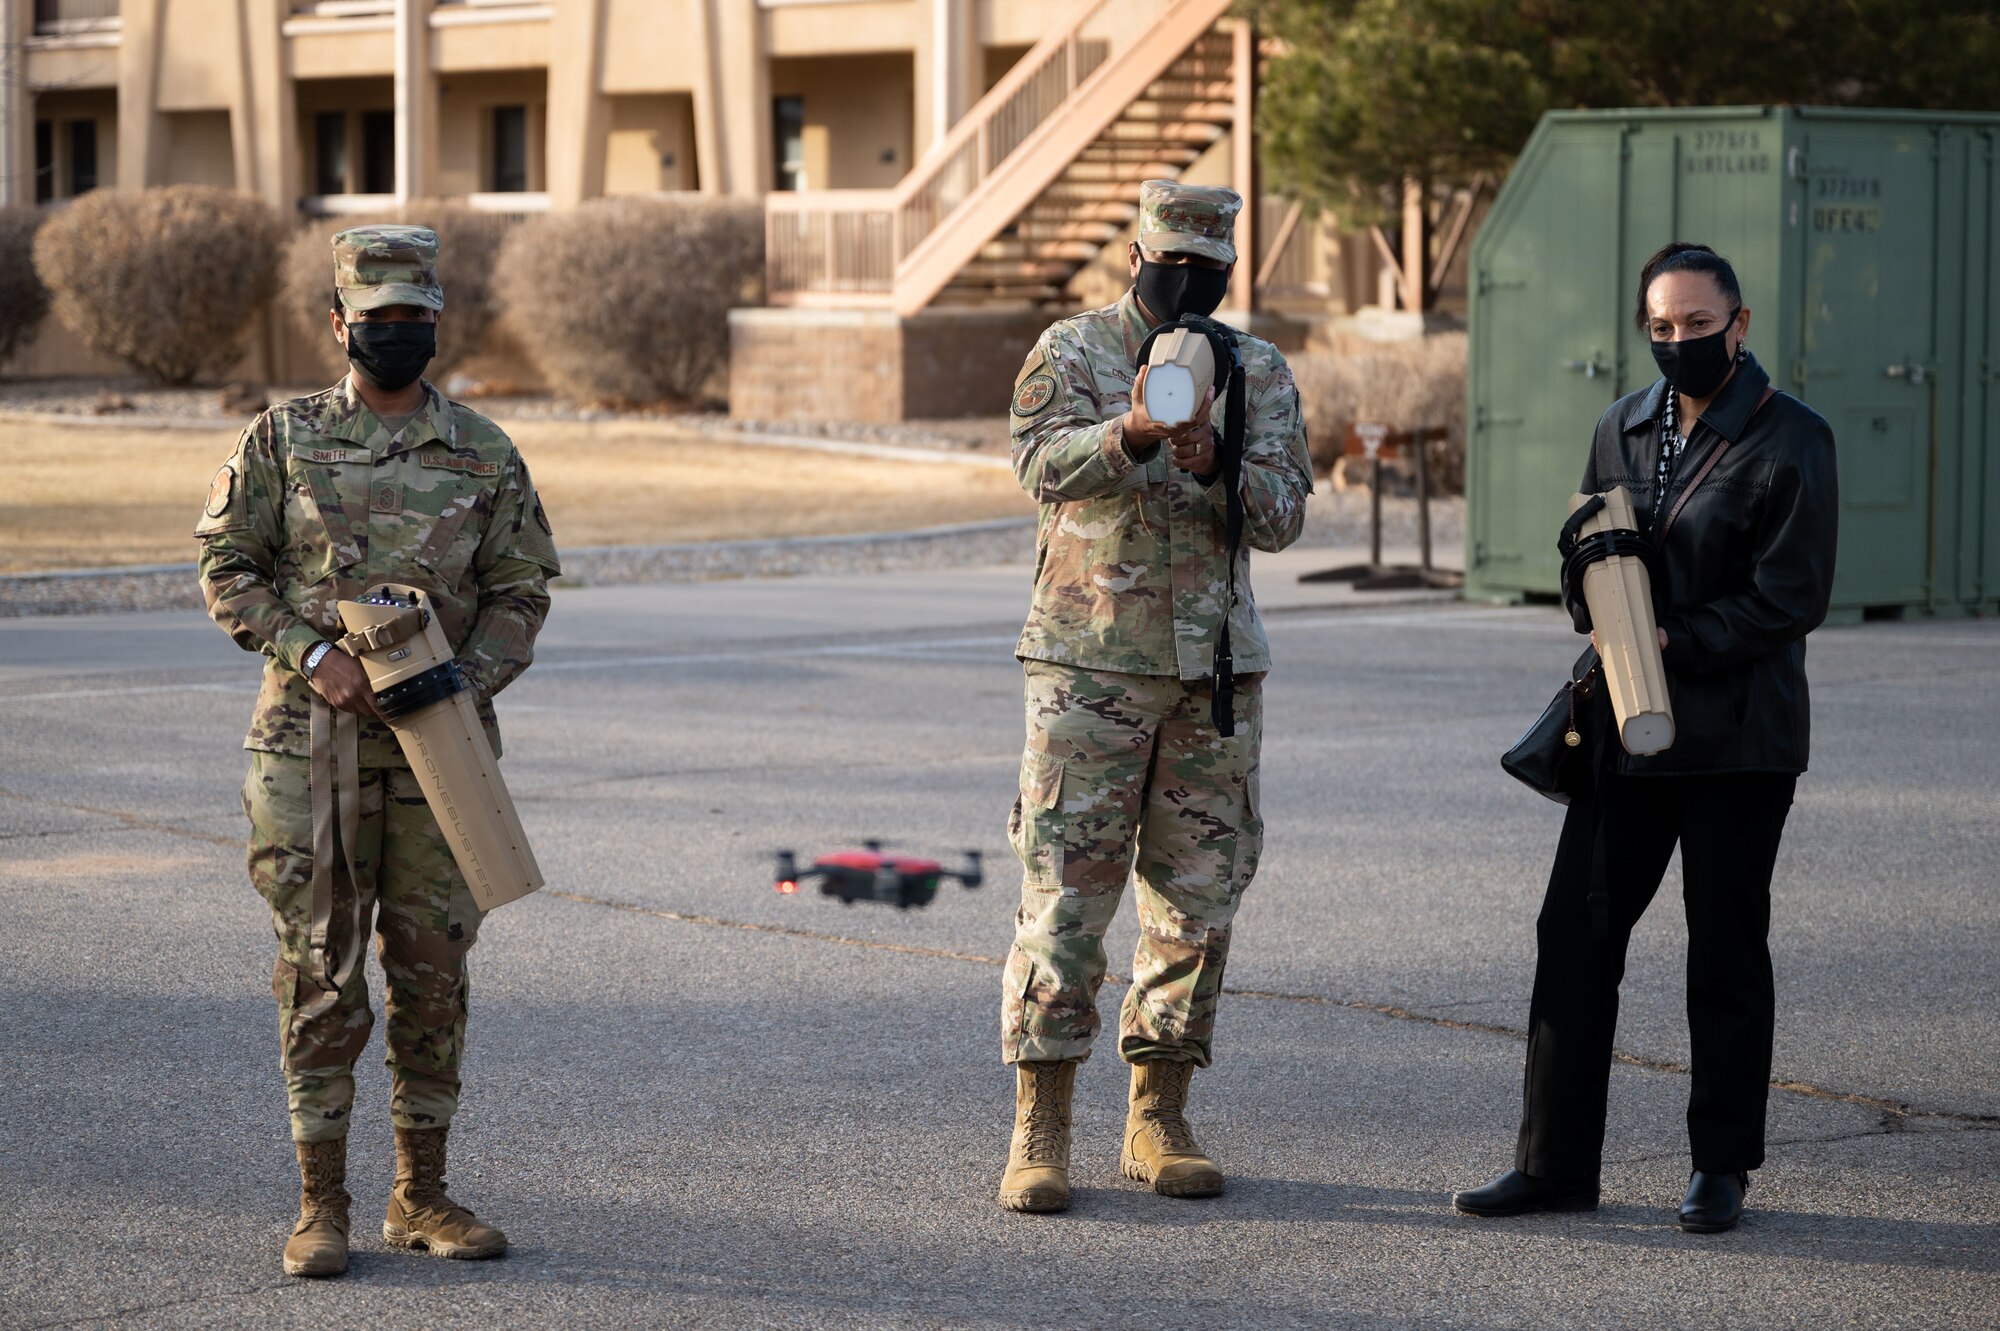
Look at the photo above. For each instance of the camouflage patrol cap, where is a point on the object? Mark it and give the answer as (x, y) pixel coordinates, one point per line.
(1188, 219)
(375, 266)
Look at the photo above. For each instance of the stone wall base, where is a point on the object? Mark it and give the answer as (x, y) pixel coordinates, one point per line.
(876, 366)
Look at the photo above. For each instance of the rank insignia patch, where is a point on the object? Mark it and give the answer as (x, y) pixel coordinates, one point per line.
(1035, 392)
(219, 490)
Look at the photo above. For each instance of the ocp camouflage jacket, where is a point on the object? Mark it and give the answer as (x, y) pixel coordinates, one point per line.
(1130, 565)
(319, 502)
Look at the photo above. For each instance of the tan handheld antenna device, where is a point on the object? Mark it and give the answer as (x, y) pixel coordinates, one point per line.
(1619, 592)
(394, 633)
(1180, 369)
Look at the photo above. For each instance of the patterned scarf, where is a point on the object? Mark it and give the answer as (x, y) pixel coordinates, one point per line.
(1672, 444)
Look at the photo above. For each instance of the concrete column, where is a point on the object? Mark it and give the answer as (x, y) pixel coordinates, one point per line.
(948, 68)
(416, 102)
(244, 130)
(17, 113)
(1245, 175)
(708, 170)
(741, 92)
(142, 138)
(272, 106)
(578, 109)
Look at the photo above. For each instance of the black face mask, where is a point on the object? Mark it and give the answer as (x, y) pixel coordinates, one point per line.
(1175, 291)
(391, 355)
(1697, 366)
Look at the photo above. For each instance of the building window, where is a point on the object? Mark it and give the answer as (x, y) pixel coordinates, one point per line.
(510, 149)
(788, 142)
(45, 161)
(82, 157)
(330, 152)
(378, 152)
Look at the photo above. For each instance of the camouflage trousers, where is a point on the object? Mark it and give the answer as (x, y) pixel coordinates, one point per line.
(1126, 776)
(425, 922)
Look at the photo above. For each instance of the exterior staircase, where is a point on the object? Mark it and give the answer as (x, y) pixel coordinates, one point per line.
(1033, 181)
(1159, 136)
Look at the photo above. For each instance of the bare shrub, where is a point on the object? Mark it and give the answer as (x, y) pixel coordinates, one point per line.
(167, 280)
(468, 248)
(1405, 384)
(23, 298)
(627, 300)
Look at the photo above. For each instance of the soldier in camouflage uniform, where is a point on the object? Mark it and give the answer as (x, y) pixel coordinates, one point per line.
(378, 479)
(1125, 767)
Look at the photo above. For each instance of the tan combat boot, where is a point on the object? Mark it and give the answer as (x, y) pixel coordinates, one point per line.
(420, 1215)
(1159, 1144)
(1037, 1177)
(318, 1245)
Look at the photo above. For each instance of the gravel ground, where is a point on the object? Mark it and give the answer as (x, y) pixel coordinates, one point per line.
(1334, 517)
(1331, 520)
(114, 399)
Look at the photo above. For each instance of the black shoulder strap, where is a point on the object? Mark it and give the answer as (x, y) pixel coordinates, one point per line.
(1721, 447)
(1235, 415)
(1234, 419)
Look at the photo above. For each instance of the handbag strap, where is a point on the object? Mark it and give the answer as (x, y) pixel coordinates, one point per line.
(1706, 467)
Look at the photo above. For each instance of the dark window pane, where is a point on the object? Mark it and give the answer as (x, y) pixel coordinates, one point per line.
(510, 149)
(378, 152)
(45, 161)
(788, 135)
(82, 156)
(330, 152)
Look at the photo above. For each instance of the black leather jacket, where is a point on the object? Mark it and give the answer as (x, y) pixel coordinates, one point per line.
(1749, 569)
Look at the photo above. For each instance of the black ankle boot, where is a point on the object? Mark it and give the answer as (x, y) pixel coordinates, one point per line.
(1714, 1202)
(1515, 1193)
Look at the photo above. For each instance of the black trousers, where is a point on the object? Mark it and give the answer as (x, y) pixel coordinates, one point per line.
(1617, 843)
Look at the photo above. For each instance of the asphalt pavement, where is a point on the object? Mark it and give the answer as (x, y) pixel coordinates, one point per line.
(693, 1102)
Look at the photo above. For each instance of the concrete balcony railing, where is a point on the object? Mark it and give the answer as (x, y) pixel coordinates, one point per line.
(517, 205)
(71, 18)
(348, 205)
(308, 16)
(338, 9)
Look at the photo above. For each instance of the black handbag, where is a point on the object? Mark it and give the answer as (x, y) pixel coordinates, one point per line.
(1553, 758)
(1556, 756)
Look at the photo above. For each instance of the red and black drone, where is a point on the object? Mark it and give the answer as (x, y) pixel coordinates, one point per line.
(869, 875)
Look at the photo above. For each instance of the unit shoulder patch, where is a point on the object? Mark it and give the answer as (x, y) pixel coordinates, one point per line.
(1034, 393)
(542, 518)
(220, 489)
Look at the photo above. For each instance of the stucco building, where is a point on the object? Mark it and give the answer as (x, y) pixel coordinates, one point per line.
(959, 167)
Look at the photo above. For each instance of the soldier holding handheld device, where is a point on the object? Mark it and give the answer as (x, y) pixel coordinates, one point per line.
(1145, 658)
(378, 480)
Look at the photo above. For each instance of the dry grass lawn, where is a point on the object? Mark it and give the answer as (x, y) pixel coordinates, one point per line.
(89, 496)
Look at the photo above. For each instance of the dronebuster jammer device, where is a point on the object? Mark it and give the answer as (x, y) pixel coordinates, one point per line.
(1179, 372)
(1619, 592)
(395, 635)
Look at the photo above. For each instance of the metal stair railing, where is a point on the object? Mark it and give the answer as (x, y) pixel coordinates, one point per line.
(886, 248)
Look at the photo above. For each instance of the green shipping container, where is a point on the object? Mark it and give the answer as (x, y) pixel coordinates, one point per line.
(1868, 246)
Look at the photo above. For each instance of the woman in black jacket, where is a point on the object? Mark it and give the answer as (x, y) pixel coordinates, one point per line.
(1748, 571)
